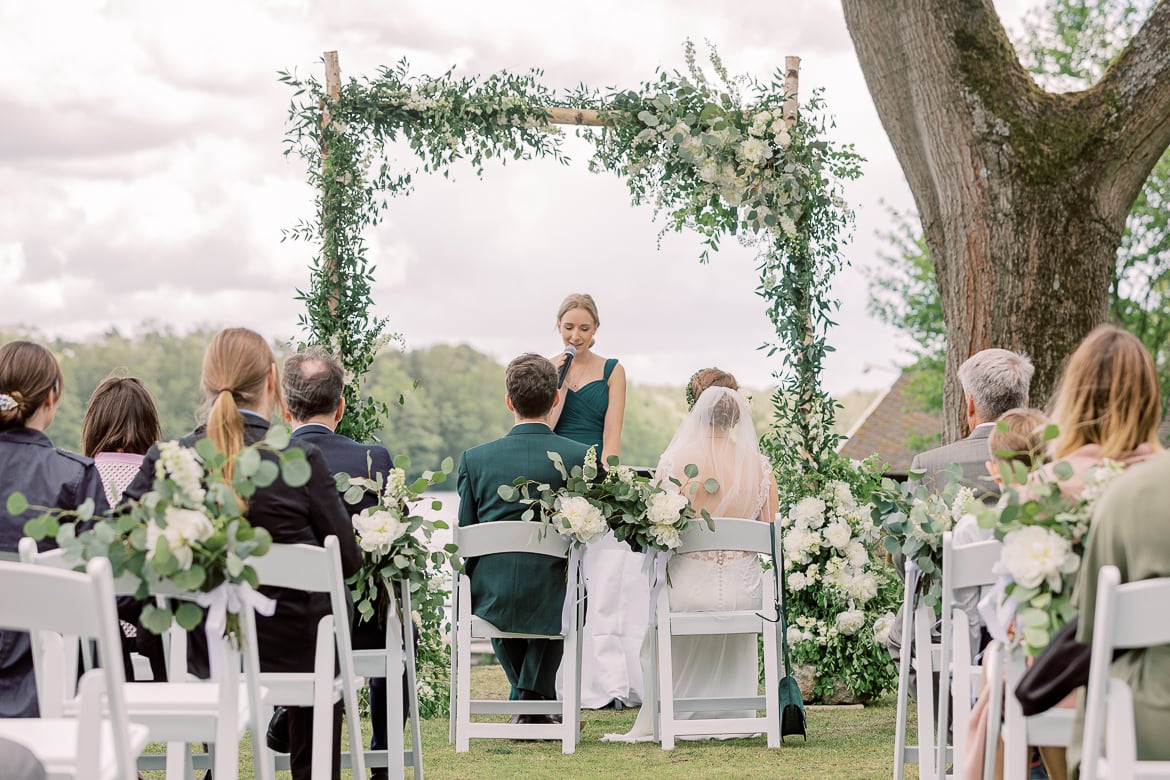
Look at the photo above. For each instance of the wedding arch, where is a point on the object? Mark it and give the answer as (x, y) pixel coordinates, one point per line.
(724, 156)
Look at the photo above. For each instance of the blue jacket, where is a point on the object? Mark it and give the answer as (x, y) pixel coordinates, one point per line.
(48, 477)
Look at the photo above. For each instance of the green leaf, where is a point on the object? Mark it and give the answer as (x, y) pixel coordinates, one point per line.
(296, 473)
(1062, 470)
(155, 619)
(354, 494)
(266, 473)
(207, 450)
(247, 461)
(192, 579)
(448, 465)
(508, 493)
(711, 485)
(235, 566)
(691, 470)
(188, 615)
(402, 462)
(278, 437)
(17, 503)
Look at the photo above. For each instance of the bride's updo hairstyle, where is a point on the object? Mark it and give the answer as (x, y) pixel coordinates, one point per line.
(708, 377)
(579, 301)
(1108, 395)
(28, 374)
(235, 370)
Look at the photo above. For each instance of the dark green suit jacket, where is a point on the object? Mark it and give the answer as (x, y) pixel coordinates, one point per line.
(517, 592)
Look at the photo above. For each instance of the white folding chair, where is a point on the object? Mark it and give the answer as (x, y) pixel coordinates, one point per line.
(1051, 728)
(964, 566)
(95, 744)
(923, 654)
(490, 539)
(315, 569)
(389, 663)
(1127, 616)
(182, 710)
(730, 534)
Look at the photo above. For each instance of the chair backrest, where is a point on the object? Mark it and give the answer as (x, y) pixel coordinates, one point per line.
(504, 536)
(968, 565)
(731, 533)
(73, 603)
(1127, 616)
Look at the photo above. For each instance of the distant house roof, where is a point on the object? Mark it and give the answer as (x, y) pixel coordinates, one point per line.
(893, 421)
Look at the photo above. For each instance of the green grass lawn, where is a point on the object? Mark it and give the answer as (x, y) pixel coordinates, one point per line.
(843, 744)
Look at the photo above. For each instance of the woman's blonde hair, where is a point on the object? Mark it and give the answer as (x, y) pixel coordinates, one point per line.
(236, 365)
(1108, 395)
(579, 301)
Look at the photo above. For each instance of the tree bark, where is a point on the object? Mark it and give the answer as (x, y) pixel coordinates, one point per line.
(1023, 194)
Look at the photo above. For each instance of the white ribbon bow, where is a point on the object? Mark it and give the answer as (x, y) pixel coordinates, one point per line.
(228, 597)
(654, 567)
(570, 606)
(998, 609)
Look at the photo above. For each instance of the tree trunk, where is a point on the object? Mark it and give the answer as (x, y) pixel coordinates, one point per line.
(1023, 194)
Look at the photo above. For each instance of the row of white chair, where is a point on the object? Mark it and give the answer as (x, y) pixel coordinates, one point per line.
(498, 537)
(219, 711)
(1123, 620)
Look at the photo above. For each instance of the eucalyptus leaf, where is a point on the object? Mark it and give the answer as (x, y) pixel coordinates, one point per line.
(711, 485)
(691, 470)
(188, 615)
(296, 473)
(17, 503)
(278, 437)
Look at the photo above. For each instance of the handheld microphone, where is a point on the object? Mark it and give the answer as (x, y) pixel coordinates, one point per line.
(571, 351)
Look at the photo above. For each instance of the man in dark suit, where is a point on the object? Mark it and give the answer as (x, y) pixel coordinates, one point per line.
(994, 381)
(313, 382)
(518, 591)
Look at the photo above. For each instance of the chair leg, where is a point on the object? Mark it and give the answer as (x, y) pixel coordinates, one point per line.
(463, 681)
(666, 687)
(569, 709)
(771, 683)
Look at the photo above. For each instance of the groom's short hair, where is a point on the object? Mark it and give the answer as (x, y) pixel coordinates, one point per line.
(531, 382)
(313, 382)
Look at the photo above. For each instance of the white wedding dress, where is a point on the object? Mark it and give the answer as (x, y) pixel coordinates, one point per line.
(713, 666)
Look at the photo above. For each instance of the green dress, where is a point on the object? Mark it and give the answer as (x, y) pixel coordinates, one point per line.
(1131, 530)
(583, 418)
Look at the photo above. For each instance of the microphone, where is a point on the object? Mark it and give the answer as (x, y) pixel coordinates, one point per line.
(571, 352)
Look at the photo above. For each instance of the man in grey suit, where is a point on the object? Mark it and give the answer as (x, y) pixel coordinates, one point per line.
(994, 381)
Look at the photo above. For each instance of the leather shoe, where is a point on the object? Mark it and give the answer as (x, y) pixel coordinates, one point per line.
(277, 735)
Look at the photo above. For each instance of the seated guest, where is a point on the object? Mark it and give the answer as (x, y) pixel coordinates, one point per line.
(1021, 440)
(242, 384)
(519, 592)
(30, 389)
(120, 425)
(313, 383)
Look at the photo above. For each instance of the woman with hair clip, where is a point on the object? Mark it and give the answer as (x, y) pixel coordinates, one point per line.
(1107, 407)
(241, 382)
(30, 388)
(719, 438)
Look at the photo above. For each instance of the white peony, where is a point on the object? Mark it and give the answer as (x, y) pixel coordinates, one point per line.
(796, 543)
(856, 554)
(665, 536)
(377, 531)
(862, 587)
(182, 466)
(580, 519)
(1034, 555)
(185, 527)
(709, 170)
(881, 629)
(753, 151)
(843, 494)
(809, 512)
(797, 581)
(794, 635)
(838, 534)
(850, 621)
(665, 508)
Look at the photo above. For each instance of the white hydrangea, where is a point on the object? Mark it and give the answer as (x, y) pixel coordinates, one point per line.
(1034, 554)
(378, 530)
(185, 527)
(787, 225)
(838, 534)
(850, 621)
(182, 466)
(580, 519)
(665, 508)
(394, 492)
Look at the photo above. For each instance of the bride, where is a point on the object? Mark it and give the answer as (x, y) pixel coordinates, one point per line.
(719, 438)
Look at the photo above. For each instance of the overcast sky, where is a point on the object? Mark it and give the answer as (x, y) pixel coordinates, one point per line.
(144, 182)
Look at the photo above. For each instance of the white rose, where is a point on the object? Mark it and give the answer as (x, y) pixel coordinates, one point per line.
(843, 494)
(377, 531)
(185, 527)
(809, 512)
(838, 534)
(797, 581)
(850, 622)
(753, 151)
(1034, 554)
(580, 519)
(709, 170)
(881, 629)
(665, 508)
(666, 536)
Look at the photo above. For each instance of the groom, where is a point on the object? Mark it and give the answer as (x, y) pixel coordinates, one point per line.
(519, 592)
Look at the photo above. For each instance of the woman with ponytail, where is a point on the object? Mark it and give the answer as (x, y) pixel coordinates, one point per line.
(240, 380)
(30, 388)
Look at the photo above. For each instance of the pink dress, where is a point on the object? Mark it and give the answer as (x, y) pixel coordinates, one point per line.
(1081, 459)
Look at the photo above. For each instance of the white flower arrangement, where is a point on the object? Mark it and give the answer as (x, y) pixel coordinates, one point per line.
(580, 520)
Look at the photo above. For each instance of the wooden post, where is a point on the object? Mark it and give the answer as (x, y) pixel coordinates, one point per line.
(791, 90)
(333, 93)
(574, 116)
(332, 85)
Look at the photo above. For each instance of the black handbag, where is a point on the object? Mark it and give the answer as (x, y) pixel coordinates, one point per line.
(792, 720)
(1059, 670)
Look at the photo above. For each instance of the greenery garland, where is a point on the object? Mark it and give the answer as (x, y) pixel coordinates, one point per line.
(695, 148)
